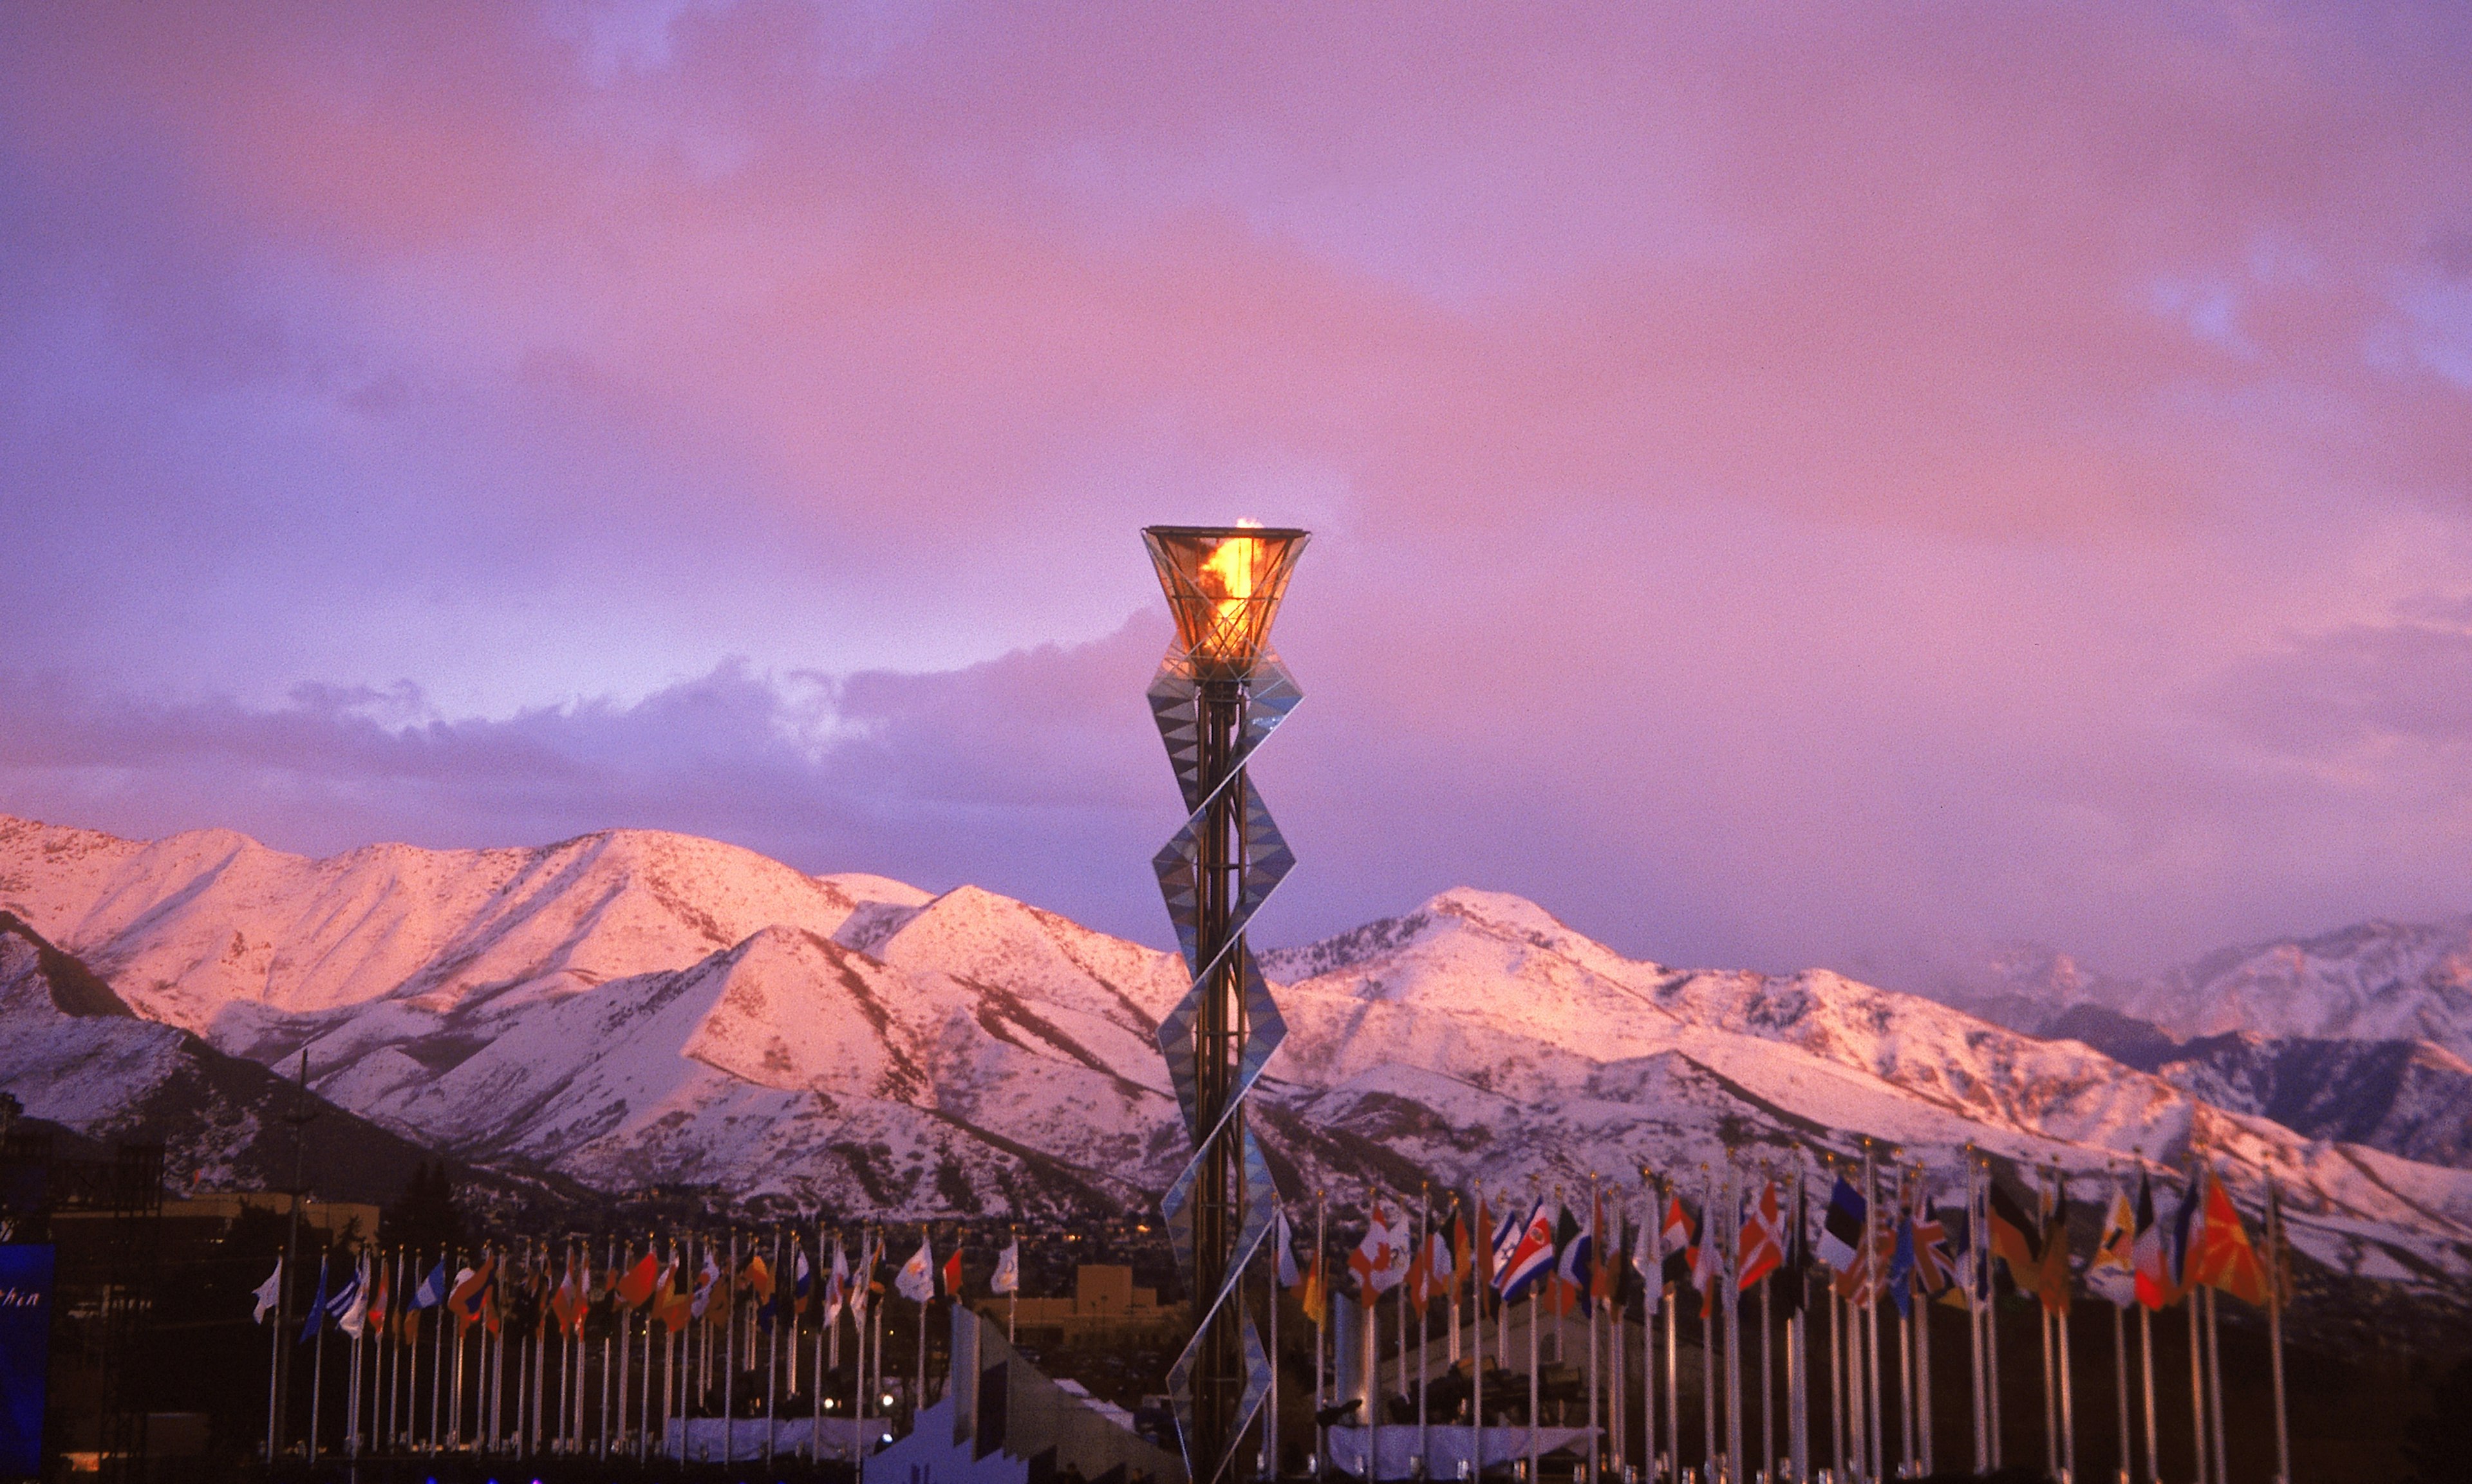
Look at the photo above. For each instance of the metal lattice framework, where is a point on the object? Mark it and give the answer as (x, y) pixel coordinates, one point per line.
(1219, 694)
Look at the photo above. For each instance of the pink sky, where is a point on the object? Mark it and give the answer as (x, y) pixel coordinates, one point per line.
(1793, 484)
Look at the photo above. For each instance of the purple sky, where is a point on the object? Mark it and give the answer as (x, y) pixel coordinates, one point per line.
(1792, 485)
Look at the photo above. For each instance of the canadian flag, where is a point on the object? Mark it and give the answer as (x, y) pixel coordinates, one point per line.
(1381, 1259)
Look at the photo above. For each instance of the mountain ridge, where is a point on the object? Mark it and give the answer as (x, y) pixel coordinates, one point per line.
(632, 1007)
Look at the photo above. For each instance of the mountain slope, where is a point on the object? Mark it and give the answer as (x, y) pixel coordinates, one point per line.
(75, 1056)
(632, 1008)
(2370, 981)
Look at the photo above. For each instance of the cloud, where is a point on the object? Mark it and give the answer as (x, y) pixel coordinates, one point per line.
(1788, 477)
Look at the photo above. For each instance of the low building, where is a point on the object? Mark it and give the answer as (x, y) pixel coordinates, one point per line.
(1104, 1302)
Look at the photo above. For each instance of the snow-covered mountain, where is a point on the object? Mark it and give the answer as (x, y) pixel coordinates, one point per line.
(634, 1007)
(2370, 981)
(76, 1055)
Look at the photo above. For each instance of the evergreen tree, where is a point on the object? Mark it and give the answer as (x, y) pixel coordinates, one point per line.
(425, 1217)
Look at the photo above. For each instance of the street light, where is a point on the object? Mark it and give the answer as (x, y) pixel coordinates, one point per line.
(1219, 694)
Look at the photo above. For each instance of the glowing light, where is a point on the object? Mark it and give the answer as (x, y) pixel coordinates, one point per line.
(1224, 584)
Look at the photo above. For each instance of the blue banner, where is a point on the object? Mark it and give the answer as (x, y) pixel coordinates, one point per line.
(25, 1353)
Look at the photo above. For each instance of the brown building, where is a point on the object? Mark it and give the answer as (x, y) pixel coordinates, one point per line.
(1104, 1300)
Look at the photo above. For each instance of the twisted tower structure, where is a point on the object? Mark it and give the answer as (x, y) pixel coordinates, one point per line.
(1218, 694)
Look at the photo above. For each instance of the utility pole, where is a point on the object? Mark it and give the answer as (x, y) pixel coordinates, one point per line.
(300, 1117)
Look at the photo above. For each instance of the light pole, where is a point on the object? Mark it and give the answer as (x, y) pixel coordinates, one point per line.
(1218, 694)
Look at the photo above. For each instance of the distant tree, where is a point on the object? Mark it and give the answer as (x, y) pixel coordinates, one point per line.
(425, 1217)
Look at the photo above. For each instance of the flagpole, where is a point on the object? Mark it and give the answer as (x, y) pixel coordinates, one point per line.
(317, 1361)
(1797, 1356)
(2068, 1387)
(773, 1348)
(2043, 1314)
(1990, 1321)
(1614, 1259)
(2154, 1425)
(1922, 1336)
(1768, 1385)
(352, 1413)
(858, 1342)
(381, 1387)
(447, 1263)
(1424, 1331)
(1876, 1283)
(918, 1390)
(2278, 1258)
(1536, 1392)
(1404, 1305)
(824, 1320)
(1708, 1228)
(875, 1317)
(1595, 1243)
(1837, 1350)
(2196, 1364)
(274, 1354)
(1271, 1413)
(1906, 1385)
(1731, 1256)
(1651, 1294)
(1322, 1325)
(2120, 1379)
(1673, 1359)
(1479, 1273)
(2215, 1390)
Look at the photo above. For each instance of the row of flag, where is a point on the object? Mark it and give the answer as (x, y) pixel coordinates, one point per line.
(1914, 1249)
(527, 1290)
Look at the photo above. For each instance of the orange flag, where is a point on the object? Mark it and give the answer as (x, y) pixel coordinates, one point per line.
(2225, 1260)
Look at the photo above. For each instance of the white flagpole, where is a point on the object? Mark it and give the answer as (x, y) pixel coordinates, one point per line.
(1323, 1324)
(1872, 1289)
(1906, 1414)
(1271, 1416)
(1673, 1355)
(729, 1360)
(1736, 1459)
(1673, 1375)
(1424, 1331)
(317, 1361)
(1922, 1341)
(2196, 1378)
(1403, 1299)
(1480, 1272)
(1797, 1359)
(1536, 1390)
(2153, 1425)
(1710, 1229)
(1990, 1321)
(437, 1317)
(1615, 1351)
(275, 1356)
(1596, 1234)
(2214, 1391)
(918, 1392)
(1651, 1299)
(1836, 1369)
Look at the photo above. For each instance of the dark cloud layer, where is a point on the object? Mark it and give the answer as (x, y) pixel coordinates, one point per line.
(1793, 483)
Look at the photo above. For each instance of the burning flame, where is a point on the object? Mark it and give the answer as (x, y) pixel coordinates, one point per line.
(1231, 562)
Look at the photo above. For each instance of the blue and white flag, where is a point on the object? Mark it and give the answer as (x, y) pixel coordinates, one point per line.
(316, 1306)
